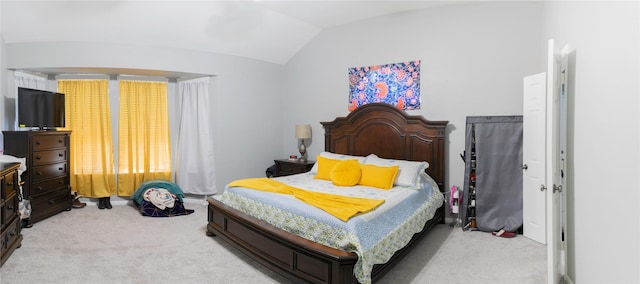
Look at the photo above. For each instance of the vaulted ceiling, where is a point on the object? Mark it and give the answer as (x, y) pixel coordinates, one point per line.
(267, 30)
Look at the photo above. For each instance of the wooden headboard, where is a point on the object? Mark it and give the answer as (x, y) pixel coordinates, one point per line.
(390, 133)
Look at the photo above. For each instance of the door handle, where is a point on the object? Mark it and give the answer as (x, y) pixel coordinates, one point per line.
(542, 187)
(524, 167)
(557, 188)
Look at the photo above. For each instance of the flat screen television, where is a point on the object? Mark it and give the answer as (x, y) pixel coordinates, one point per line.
(40, 109)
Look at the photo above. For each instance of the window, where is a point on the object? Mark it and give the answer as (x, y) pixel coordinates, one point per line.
(88, 117)
(143, 135)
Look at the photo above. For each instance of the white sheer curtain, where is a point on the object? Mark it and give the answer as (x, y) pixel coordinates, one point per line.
(29, 81)
(195, 172)
(24, 80)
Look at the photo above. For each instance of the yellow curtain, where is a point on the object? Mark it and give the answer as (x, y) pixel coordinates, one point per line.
(88, 117)
(143, 135)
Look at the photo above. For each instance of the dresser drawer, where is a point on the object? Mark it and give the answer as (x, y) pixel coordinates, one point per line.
(45, 142)
(49, 171)
(10, 235)
(50, 203)
(10, 183)
(43, 187)
(9, 210)
(48, 157)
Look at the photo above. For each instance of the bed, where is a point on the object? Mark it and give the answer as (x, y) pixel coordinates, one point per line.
(379, 129)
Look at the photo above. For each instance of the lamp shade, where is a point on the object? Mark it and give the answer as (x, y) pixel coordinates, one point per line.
(303, 131)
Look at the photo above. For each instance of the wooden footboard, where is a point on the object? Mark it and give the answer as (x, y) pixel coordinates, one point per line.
(289, 255)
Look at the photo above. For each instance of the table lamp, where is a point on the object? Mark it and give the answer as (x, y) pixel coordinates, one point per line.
(303, 131)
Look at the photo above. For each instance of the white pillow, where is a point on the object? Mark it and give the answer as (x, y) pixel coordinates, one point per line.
(408, 171)
(334, 156)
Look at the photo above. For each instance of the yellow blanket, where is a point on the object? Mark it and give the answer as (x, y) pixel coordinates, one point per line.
(342, 207)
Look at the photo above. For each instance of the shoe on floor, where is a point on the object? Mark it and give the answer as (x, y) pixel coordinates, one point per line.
(504, 234)
(77, 204)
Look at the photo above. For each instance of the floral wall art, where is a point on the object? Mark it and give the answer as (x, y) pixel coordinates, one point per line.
(397, 84)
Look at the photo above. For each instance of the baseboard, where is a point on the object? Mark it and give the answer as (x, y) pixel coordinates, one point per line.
(117, 200)
(450, 220)
(113, 202)
(567, 279)
(195, 200)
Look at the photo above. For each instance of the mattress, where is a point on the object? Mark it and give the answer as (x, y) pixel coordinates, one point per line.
(374, 236)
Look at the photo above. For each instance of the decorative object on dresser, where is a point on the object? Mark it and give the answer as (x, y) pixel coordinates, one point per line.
(285, 167)
(10, 237)
(46, 180)
(303, 131)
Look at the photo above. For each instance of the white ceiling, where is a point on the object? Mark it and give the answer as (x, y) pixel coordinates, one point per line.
(267, 30)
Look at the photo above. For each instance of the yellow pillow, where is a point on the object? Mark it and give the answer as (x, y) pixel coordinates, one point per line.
(378, 176)
(324, 167)
(346, 173)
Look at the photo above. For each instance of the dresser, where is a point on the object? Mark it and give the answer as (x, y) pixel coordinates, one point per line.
(285, 167)
(10, 237)
(46, 180)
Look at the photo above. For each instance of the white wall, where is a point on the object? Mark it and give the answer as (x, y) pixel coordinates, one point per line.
(3, 125)
(604, 137)
(473, 60)
(246, 93)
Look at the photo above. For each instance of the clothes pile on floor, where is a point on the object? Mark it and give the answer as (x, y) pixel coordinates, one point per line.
(160, 198)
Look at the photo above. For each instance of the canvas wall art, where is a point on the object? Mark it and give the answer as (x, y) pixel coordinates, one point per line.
(396, 84)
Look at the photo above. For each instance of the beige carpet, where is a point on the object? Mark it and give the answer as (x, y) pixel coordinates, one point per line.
(89, 245)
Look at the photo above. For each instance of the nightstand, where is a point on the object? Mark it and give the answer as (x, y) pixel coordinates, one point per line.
(285, 167)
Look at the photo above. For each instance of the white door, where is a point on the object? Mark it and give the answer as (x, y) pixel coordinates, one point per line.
(543, 162)
(564, 91)
(534, 158)
(554, 223)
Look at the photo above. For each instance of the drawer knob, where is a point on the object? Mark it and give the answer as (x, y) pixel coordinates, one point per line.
(51, 202)
(61, 182)
(37, 157)
(38, 173)
(59, 154)
(59, 141)
(39, 187)
(37, 142)
(60, 169)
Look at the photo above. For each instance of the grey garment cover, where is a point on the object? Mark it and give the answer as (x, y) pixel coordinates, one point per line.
(498, 147)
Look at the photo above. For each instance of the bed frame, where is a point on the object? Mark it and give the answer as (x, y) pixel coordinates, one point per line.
(376, 128)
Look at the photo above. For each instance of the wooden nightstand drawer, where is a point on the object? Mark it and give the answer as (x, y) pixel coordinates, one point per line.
(286, 167)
